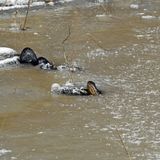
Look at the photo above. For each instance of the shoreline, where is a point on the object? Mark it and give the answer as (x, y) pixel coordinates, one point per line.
(35, 5)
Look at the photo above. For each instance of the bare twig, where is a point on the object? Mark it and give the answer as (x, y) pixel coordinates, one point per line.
(64, 51)
(25, 20)
(69, 33)
(123, 144)
(63, 43)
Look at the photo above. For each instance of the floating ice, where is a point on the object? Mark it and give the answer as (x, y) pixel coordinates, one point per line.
(140, 14)
(38, 4)
(134, 6)
(19, 2)
(72, 68)
(148, 17)
(9, 61)
(13, 4)
(6, 52)
(4, 151)
(102, 1)
(63, 1)
(100, 15)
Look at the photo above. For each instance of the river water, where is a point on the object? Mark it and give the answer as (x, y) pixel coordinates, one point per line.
(117, 44)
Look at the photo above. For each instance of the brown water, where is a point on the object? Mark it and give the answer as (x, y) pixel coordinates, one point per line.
(119, 51)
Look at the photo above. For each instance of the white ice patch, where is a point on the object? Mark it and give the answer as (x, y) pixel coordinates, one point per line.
(13, 4)
(134, 6)
(21, 2)
(102, 1)
(100, 15)
(10, 2)
(6, 52)
(4, 151)
(9, 61)
(148, 17)
(72, 68)
(140, 14)
(17, 2)
(63, 1)
(38, 4)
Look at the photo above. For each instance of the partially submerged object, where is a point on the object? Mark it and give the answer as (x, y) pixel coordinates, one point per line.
(71, 89)
(9, 57)
(28, 56)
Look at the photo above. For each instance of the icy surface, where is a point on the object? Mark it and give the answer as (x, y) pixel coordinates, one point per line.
(14, 5)
(9, 61)
(6, 52)
(4, 151)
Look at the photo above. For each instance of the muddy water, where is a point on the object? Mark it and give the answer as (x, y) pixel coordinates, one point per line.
(119, 50)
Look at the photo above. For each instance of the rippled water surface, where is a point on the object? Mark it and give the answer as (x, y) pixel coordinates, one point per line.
(118, 45)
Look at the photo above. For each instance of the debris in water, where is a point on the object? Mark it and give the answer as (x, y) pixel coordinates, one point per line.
(4, 151)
